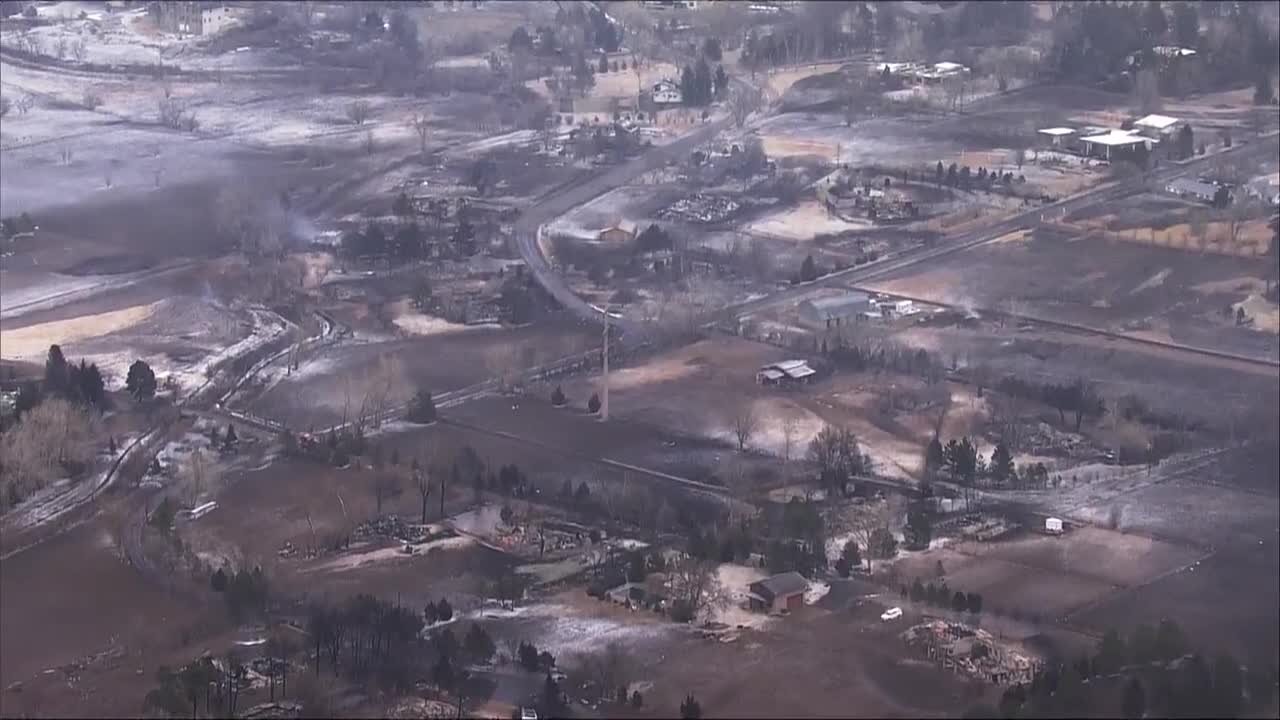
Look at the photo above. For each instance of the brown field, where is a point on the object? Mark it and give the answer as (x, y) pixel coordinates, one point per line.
(74, 597)
(1091, 552)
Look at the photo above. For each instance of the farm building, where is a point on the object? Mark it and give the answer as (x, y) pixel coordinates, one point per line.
(1157, 126)
(1056, 135)
(1115, 143)
(1194, 189)
(826, 313)
(779, 592)
(787, 371)
(623, 231)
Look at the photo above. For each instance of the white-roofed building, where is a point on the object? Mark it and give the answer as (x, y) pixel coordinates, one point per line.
(785, 371)
(1115, 142)
(1157, 126)
(1057, 135)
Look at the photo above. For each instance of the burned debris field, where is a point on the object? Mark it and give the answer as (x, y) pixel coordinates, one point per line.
(639, 359)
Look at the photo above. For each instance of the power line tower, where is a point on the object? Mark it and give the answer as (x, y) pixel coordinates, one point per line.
(604, 398)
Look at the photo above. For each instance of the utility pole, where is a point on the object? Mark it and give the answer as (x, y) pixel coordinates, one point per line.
(604, 399)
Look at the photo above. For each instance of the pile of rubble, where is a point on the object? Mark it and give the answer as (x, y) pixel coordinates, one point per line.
(391, 527)
(699, 208)
(986, 528)
(1044, 439)
(971, 651)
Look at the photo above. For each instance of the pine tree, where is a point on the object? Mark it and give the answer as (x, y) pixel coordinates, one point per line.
(1001, 463)
(141, 381)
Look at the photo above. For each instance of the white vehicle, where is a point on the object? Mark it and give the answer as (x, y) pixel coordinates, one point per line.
(892, 613)
(528, 714)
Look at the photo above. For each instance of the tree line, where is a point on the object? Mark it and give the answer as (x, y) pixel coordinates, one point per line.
(1162, 676)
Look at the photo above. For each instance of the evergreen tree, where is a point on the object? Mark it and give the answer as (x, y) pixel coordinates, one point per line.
(422, 409)
(1001, 466)
(56, 372)
(141, 381)
(690, 709)
(1134, 703)
(808, 270)
(934, 459)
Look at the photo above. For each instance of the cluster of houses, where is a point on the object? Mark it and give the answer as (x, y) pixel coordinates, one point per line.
(1113, 143)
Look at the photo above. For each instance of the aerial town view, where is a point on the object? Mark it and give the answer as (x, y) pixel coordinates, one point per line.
(639, 359)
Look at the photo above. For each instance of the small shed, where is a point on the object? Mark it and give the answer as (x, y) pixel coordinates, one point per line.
(779, 592)
(1053, 526)
(621, 232)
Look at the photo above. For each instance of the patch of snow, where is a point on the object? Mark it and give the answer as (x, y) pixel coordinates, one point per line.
(815, 592)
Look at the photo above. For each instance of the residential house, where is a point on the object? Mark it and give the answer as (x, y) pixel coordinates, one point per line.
(188, 17)
(666, 93)
(780, 592)
(619, 233)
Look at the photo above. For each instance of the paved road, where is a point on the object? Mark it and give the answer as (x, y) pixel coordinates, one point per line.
(964, 241)
(527, 228)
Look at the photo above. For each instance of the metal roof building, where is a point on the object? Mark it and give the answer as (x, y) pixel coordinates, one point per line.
(833, 312)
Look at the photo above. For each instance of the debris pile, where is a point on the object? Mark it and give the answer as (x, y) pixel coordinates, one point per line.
(1044, 439)
(971, 651)
(699, 208)
(392, 527)
(986, 528)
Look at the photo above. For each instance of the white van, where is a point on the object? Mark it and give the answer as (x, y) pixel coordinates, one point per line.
(892, 613)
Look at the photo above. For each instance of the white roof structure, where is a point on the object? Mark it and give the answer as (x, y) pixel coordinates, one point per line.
(1056, 131)
(794, 369)
(1156, 122)
(1117, 138)
(945, 67)
(1173, 50)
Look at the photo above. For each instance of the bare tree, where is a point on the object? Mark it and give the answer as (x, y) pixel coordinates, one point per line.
(251, 218)
(790, 429)
(53, 436)
(358, 112)
(1146, 91)
(65, 155)
(422, 482)
(25, 102)
(421, 124)
(385, 485)
(198, 476)
(60, 47)
(79, 50)
(744, 102)
(864, 521)
(694, 585)
(91, 99)
(745, 423)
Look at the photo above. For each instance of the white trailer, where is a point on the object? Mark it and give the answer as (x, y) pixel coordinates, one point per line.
(1053, 526)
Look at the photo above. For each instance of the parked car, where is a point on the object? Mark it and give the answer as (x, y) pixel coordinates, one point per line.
(892, 613)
